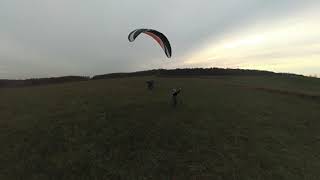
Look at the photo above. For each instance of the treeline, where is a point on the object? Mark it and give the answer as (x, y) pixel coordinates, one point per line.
(41, 81)
(194, 72)
(156, 72)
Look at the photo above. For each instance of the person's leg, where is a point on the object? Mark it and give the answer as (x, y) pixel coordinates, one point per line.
(174, 101)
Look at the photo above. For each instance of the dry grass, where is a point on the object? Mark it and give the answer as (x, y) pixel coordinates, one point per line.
(116, 129)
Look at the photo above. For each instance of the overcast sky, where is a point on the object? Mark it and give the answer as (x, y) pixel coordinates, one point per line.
(44, 38)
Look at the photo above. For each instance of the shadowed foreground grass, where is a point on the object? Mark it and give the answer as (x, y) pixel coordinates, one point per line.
(116, 129)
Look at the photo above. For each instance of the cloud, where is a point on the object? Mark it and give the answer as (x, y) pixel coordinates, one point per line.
(60, 37)
(282, 42)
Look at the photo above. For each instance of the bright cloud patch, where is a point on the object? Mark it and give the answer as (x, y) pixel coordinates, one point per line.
(287, 45)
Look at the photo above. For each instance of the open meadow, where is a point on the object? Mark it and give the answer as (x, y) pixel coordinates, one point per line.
(224, 127)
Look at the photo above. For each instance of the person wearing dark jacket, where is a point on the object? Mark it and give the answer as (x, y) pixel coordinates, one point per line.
(175, 93)
(150, 84)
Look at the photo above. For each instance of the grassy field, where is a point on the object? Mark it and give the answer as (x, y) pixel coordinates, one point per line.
(229, 127)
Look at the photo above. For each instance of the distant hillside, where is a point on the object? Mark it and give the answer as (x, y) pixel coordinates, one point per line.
(41, 81)
(155, 72)
(194, 72)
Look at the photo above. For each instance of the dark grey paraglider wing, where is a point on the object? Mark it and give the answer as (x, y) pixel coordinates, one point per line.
(156, 35)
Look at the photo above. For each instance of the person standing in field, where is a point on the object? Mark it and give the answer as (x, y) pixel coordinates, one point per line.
(150, 84)
(175, 93)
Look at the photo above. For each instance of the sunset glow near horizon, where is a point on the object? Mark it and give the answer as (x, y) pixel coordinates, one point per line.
(289, 45)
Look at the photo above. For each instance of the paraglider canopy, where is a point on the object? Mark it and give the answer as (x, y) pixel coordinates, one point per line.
(156, 35)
